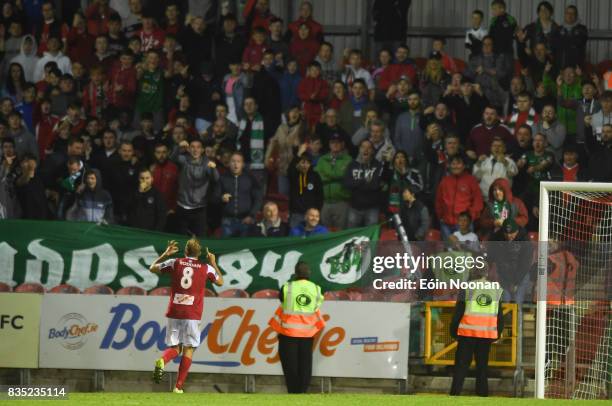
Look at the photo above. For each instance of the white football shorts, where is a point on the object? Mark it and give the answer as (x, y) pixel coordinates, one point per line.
(183, 331)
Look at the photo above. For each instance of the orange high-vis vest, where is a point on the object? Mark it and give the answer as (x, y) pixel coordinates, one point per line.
(607, 80)
(561, 282)
(299, 315)
(480, 316)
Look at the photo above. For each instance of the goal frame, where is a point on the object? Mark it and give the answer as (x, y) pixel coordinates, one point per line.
(545, 188)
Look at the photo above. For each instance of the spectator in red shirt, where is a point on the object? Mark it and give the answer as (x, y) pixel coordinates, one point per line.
(480, 138)
(123, 82)
(151, 36)
(49, 27)
(448, 63)
(257, 15)
(165, 176)
(313, 91)
(316, 29)
(80, 42)
(172, 22)
(457, 192)
(96, 94)
(98, 14)
(402, 66)
(303, 48)
(44, 129)
(253, 53)
(571, 170)
(102, 55)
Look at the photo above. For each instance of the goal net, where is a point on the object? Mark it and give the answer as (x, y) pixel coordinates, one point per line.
(574, 322)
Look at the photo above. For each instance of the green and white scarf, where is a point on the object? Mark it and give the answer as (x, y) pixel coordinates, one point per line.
(256, 141)
(514, 118)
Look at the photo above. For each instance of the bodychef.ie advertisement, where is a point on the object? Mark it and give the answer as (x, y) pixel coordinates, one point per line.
(127, 333)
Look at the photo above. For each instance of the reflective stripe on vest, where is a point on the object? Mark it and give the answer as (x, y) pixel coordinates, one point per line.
(299, 315)
(480, 316)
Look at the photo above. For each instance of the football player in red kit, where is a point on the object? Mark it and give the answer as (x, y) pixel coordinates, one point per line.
(184, 312)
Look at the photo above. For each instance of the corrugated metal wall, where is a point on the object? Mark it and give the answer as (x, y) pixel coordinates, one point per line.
(595, 14)
(454, 14)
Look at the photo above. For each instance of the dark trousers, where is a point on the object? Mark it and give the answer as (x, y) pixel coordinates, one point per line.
(468, 348)
(296, 358)
(191, 221)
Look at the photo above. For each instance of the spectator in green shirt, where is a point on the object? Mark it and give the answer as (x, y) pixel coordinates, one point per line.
(150, 93)
(538, 163)
(568, 88)
(331, 168)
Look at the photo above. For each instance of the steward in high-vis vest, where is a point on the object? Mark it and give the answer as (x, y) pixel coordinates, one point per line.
(561, 281)
(297, 320)
(476, 324)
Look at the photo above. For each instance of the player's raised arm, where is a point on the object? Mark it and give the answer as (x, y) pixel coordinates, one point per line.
(212, 260)
(170, 250)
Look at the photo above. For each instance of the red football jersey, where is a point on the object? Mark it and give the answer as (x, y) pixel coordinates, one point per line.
(188, 283)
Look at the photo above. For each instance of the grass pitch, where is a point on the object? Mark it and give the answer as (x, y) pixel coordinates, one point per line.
(199, 399)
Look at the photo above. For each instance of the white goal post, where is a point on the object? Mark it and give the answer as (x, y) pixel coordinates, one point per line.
(574, 332)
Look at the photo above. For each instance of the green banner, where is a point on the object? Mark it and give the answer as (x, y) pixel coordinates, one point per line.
(86, 254)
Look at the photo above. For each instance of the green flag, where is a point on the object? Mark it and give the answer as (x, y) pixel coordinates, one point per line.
(87, 254)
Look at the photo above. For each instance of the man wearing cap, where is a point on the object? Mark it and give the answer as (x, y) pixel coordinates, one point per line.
(330, 126)
(512, 253)
(297, 320)
(331, 168)
(476, 324)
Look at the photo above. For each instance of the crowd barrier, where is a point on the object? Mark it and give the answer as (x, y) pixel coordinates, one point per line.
(108, 332)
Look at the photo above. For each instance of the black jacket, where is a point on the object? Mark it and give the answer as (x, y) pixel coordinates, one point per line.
(305, 191)
(123, 181)
(391, 19)
(32, 199)
(247, 195)
(266, 92)
(325, 132)
(147, 210)
(600, 158)
(570, 45)
(415, 220)
(262, 229)
(197, 48)
(468, 115)
(103, 163)
(365, 181)
(513, 259)
(226, 50)
(502, 30)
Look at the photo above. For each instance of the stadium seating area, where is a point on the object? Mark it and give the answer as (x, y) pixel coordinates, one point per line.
(110, 90)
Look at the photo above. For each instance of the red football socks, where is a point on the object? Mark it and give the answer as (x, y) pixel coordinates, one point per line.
(183, 371)
(169, 355)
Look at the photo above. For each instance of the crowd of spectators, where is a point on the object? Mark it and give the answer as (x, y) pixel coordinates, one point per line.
(163, 116)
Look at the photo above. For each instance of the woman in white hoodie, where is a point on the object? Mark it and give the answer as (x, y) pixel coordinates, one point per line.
(27, 57)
